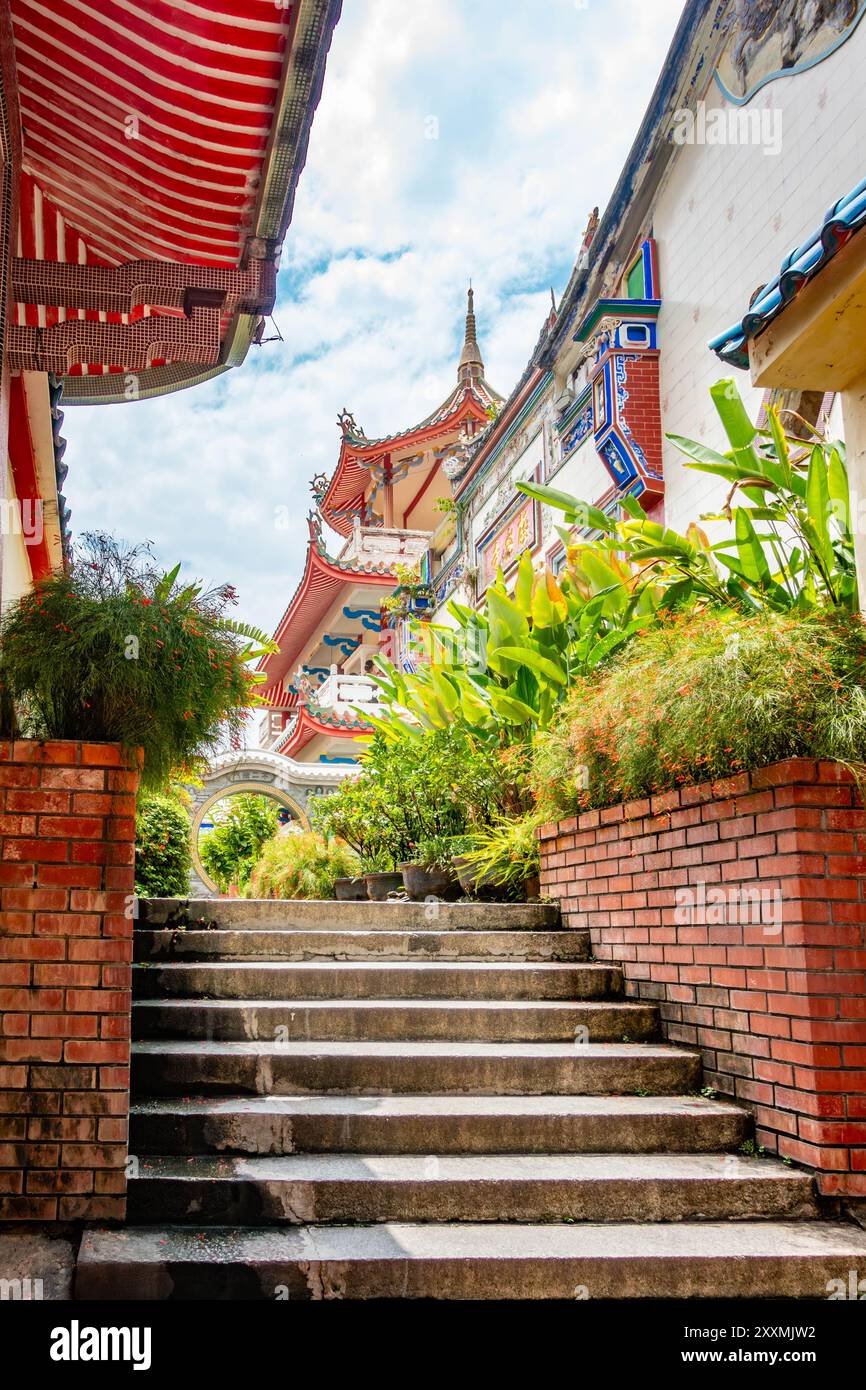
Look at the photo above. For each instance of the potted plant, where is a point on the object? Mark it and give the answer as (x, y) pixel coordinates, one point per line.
(350, 890)
(380, 876)
(353, 814)
(421, 598)
(475, 881)
(503, 859)
(411, 797)
(431, 873)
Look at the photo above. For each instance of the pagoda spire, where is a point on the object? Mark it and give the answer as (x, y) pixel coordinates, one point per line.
(471, 362)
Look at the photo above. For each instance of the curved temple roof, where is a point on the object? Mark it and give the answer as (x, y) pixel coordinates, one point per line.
(310, 721)
(320, 585)
(471, 399)
(842, 221)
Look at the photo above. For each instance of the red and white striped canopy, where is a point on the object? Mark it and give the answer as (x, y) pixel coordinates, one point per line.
(160, 131)
(145, 125)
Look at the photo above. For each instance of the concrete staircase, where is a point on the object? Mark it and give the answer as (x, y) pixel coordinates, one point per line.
(367, 1100)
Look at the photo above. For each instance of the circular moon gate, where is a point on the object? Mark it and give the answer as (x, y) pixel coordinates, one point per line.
(257, 789)
(293, 785)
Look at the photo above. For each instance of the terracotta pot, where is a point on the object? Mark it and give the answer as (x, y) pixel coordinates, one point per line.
(421, 882)
(532, 886)
(350, 890)
(380, 885)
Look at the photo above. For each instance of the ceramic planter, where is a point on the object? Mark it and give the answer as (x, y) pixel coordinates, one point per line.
(350, 890)
(422, 882)
(380, 885)
(473, 880)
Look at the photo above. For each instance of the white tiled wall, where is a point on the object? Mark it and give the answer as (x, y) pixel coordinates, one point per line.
(584, 474)
(724, 220)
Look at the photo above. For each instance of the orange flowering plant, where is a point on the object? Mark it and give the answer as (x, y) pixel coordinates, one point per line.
(704, 693)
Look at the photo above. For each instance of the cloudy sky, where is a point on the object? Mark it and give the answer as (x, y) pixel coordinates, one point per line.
(455, 139)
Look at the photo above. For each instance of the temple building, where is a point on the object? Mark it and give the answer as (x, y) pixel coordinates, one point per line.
(383, 498)
(755, 128)
(149, 158)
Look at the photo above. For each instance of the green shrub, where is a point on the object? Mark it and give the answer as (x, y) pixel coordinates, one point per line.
(705, 694)
(420, 790)
(115, 651)
(300, 864)
(351, 814)
(437, 852)
(242, 827)
(162, 851)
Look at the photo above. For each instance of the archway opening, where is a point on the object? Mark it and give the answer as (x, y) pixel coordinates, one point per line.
(230, 827)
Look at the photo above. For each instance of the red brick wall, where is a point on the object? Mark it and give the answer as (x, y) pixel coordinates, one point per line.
(740, 907)
(643, 410)
(67, 830)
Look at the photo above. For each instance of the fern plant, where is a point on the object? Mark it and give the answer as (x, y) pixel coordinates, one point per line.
(506, 854)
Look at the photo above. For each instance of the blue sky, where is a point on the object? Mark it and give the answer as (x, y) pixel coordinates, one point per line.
(531, 109)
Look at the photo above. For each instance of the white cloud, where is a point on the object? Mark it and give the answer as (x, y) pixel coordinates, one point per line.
(537, 106)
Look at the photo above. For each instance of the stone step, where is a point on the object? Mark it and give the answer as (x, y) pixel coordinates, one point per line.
(301, 1189)
(262, 914)
(172, 1068)
(551, 1020)
(417, 979)
(435, 1124)
(326, 945)
(729, 1259)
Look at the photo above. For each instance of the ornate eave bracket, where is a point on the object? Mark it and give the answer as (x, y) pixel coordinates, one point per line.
(162, 284)
(133, 347)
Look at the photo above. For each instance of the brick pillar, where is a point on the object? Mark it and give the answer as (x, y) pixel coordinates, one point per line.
(67, 831)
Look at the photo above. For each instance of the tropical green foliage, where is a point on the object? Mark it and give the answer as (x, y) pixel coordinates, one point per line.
(506, 854)
(115, 651)
(793, 546)
(243, 825)
(791, 549)
(410, 793)
(436, 852)
(300, 864)
(162, 851)
(703, 694)
(653, 659)
(501, 671)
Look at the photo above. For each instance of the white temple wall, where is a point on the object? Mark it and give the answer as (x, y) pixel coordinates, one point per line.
(724, 219)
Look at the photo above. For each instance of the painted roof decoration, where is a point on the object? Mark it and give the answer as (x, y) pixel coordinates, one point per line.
(769, 40)
(323, 579)
(310, 721)
(842, 221)
(163, 135)
(362, 459)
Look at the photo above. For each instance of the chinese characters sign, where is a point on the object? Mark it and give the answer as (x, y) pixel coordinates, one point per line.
(506, 542)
